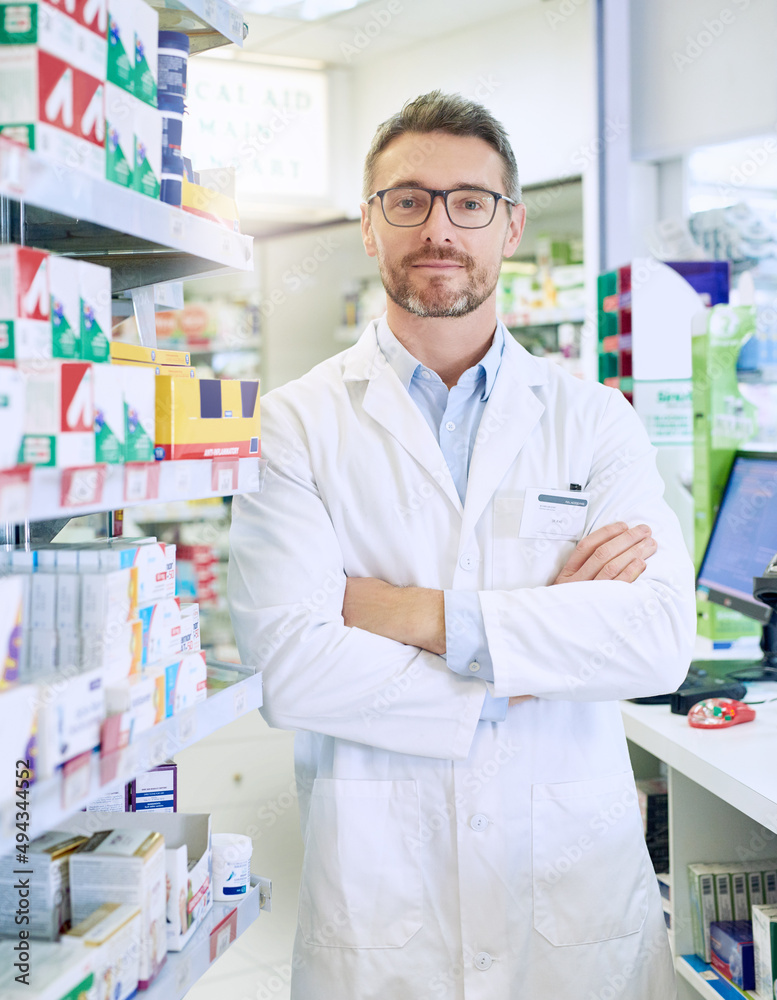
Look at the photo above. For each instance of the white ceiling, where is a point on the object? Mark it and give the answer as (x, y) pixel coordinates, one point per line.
(331, 38)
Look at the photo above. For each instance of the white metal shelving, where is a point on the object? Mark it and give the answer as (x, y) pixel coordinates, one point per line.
(209, 942)
(53, 800)
(208, 23)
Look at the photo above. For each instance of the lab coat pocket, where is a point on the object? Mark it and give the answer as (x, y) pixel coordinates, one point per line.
(361, 877)
(589, 860)
(523, 562)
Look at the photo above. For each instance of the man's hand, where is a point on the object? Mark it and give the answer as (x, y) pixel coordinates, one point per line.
(412, 615)
(615, 552)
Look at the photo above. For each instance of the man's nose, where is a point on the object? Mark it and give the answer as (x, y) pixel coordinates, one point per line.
(438, 227)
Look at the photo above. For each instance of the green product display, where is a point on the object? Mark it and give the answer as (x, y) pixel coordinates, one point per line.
(18, 23)
(723, 420)
(121, 68)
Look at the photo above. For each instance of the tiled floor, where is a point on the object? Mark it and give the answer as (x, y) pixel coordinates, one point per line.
(244, 776)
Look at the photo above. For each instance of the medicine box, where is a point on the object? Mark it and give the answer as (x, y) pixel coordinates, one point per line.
(731, 950)
(765, 950)
(136, 353)
(155, 790)
(177, 371)
(109, 425)
(12, 597)
(141, 698)
(146, 44)
(119, 135)
(108, 599)
(121, 44)
(190, 628)
(57, 31)
(147, 166)
(25, 331)
(720, 891)
(123, 865)
(13, 393)
(206, 418)
(70, 725)
(59, 414)
(56, 971)
(186, 682)
(117, 651)
(139, 393)
(161, 630)
(49, 887)
(65, 308)
(53, 107)
(150, 562)
(94, 286)
(18, 735)
(111, 937)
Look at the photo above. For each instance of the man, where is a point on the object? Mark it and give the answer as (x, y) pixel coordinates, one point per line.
(448, 580)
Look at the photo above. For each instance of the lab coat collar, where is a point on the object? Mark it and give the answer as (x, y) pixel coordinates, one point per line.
(510, 414)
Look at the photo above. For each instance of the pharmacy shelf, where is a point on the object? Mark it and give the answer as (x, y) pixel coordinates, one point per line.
(142, 240)
(180, 512)
(37, 493)
(220, 347)
(706, 981)
(215, 935)
(208, 23)
(77, 784)
(733, 763)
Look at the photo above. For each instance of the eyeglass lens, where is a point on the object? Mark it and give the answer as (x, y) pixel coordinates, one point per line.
(469, 209)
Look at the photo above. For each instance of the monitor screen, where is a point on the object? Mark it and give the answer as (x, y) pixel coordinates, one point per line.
(744, 536)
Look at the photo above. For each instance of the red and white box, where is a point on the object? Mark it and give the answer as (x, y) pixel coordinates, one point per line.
(59, 414)
(25, 330)
(59, 107)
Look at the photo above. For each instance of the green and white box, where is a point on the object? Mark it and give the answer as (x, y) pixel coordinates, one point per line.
(765, 950)
(94, 285)
(108, 414)
(146, 21)
(139, 412)
(119, 135)
(147, 163)
(65, 307)
(121, 43)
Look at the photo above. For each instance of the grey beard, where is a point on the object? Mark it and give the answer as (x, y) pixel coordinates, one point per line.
(467, 301)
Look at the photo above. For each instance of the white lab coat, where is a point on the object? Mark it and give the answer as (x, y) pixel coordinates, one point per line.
(446, 857)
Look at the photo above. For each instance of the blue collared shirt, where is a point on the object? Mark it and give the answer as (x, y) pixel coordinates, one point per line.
(453, 417)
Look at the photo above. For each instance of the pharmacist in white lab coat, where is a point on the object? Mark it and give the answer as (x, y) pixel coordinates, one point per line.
(449, 579)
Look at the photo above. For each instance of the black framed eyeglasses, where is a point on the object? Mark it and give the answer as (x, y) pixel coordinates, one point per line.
(467, 208)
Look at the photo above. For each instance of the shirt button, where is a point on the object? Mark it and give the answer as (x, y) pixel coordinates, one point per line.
(425, 374)
(467, 562)
(474, 667)
(483, 961)
(479, 822)
(450, 426)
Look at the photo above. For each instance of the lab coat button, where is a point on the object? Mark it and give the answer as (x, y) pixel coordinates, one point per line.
(474, 667)
(479, 822)
(482, 961)
(467, 562)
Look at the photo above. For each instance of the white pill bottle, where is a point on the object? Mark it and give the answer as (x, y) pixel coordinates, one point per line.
(231, 866)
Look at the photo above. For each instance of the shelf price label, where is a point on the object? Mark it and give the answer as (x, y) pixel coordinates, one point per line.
(82, 487)
(223, 934)
(141, 481)
(224, 475)
(176, 225)
(15, 494)
(240, 701)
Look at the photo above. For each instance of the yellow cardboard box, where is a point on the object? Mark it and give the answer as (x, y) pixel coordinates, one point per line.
(147, 355)
(207, 418)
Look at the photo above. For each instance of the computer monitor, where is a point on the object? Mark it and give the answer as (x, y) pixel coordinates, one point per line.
(742, 544)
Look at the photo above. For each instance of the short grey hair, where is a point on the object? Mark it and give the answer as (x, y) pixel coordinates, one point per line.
(451, 113)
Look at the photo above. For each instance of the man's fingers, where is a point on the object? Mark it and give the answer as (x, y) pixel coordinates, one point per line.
(612, 569)
(519, 698)
(631, 572)
(588, 545)
(603, 551)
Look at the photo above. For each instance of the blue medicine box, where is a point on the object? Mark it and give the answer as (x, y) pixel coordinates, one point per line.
(731, 947)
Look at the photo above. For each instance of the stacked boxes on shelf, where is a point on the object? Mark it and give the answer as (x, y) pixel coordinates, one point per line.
(52, 81)
(100, 625)
(79, 86)
(727, 891)
(614, 311)
(198, 573)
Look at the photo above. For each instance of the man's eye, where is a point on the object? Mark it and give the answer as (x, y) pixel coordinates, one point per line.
(471, 205)
(406, 203)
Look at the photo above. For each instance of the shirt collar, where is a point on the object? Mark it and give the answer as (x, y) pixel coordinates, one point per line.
(406, 366)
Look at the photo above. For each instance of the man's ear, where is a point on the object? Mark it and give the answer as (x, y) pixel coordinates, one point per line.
(368, 237)
(514, 230)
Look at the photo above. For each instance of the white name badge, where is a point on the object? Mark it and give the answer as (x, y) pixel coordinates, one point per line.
(558, 514)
